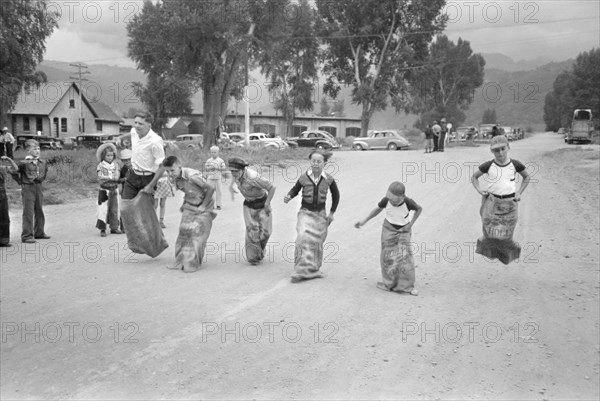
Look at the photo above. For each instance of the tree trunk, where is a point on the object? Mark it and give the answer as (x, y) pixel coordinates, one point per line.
(365, 120)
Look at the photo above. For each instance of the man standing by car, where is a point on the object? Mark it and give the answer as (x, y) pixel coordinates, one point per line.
(147, 154)
(436, 135)
(6, 143)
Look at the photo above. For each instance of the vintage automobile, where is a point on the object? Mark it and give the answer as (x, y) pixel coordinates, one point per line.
(384, 139)
(316, 139)
(190, 141)
(46, 142)
(464, 133)
(510, 134)
(92, 141)
(259, 139)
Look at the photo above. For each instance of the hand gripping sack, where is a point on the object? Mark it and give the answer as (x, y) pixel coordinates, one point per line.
(142, 228)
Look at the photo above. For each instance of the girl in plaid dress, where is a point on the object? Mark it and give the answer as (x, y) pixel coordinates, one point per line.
(164, 190)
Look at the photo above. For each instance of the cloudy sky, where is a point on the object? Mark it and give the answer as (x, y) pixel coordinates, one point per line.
(94, 32)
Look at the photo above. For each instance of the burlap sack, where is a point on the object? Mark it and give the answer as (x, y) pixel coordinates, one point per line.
(142, 228)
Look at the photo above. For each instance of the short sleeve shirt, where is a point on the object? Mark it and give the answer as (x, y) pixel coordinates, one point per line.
(193, 186)
(253, 186)
(147, 153)
(213, 168)
(501, 179)
(398, 215)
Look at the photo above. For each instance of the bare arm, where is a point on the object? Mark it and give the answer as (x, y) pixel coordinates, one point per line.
(524, 184)
(373, 213)
(475, 182)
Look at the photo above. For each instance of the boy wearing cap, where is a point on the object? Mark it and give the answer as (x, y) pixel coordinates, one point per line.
(30, 174)
(499, 210)
(258, 193)
(397, 264)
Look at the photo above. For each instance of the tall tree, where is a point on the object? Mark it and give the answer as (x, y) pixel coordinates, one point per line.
(290, 63)
(489, 117)
(448, 81)
(324, 108)
(373, 44)
(23, 32)
(207, 43)
(164, 97)
(576, 89)
(338, 108)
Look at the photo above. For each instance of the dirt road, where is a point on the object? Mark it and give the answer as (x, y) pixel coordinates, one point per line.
(83, 318)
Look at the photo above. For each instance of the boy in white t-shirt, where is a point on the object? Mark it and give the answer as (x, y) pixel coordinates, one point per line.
(499, 210)
(397, 265)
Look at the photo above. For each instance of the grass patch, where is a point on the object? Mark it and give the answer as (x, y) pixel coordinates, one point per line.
(72, 173)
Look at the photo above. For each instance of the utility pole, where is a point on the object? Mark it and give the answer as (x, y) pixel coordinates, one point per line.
(246, 92)
(79, 73)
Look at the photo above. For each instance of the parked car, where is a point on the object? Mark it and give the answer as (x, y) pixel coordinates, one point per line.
(561, 131)
(260, 139)
(190, 141)
(464, 133)
(485, 130)
(510, 134)
(92, 141)
(46, 142)
(384, 139)
(316, 139)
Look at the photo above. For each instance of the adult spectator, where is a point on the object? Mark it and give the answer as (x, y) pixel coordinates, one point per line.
(6, 143)
(437, 130)
(495, 132)
(442, 137)
(147, 154)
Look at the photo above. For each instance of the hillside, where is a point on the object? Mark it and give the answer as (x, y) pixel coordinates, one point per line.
(517, 96)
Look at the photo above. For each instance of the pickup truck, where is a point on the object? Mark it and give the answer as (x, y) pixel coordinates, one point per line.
(315, 139)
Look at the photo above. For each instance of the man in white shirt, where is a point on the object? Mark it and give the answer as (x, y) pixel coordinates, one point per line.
(147, 154)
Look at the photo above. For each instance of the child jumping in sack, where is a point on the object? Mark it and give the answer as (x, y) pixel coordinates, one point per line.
(397, 264)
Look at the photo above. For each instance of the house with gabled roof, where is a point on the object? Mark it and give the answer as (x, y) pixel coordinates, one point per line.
(54, 110)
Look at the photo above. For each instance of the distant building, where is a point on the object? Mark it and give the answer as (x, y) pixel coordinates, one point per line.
(53, 109)
(340, 127)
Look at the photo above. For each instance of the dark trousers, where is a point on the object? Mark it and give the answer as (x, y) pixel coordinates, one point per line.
(435, 143)
(134, 184)
(33, 215)
(9, 150)
(441, 141)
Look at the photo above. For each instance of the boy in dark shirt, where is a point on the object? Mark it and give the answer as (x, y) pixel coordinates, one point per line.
(30, 175)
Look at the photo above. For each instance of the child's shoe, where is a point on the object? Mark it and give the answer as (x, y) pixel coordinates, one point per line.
(162, 224)
(103, 233)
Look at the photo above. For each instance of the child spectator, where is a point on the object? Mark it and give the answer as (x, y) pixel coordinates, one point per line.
(397, 264)
(108, 193)
(164, 190)
(313, 220)
(30, 174)
(197, 215)
(213, 171)
(126, 160)
(4, 217)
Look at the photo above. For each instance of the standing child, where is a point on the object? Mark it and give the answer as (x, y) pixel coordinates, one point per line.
(4, 217)
(313, 221)
(397, 264)
(164, 190)
(126, 160)
(213, 171)
(108, 193)
(499, 209)
(30, 174)
(197, 215)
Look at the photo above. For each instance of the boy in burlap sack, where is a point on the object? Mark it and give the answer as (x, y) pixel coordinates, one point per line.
(499, 208)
